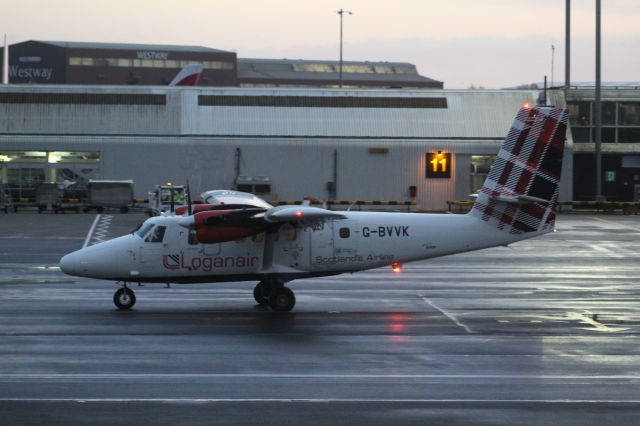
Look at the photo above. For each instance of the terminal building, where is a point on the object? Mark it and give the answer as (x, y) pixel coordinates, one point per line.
(68, 95)
(282, 143)
(620, 141)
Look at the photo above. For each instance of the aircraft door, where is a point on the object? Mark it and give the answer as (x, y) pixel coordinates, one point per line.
(345, 236)
(290, 247)
(321, 240)
(152, 249)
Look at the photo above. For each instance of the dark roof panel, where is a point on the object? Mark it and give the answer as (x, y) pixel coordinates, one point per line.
(129, 46)
(295, 71)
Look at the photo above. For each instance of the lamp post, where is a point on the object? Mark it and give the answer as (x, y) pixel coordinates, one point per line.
(342, 12)
(567, 49)
(598, 109)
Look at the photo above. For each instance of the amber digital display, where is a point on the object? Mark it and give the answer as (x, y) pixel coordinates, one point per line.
(438, 165)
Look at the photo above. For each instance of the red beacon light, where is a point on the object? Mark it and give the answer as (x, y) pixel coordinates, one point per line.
(396, 267)
(298, 213)
(526, 105)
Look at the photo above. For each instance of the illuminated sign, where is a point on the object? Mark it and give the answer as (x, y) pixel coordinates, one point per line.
(438, 165)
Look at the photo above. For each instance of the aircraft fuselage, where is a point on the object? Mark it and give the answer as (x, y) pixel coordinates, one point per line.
(364, 240)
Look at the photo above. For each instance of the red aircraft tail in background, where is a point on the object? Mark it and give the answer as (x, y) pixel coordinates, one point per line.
(189, 76)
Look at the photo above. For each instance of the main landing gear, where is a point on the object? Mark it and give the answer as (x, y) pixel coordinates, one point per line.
(124, 298)
(268, 292)
(275, 294)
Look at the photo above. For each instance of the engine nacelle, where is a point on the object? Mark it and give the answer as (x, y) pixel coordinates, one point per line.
(219, 226)
(181, 210)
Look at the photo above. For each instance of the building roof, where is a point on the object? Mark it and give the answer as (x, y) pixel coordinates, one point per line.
(323, 70)
(128, 46)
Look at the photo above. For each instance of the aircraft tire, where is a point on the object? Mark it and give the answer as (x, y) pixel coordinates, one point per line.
(124, 298)
(283, 300)
(259, 294)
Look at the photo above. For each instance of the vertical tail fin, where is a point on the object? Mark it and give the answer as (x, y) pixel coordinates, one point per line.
(521, 190)
(188, 76)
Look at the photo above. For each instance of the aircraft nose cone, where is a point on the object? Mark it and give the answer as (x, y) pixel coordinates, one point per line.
(112, 259)
(92, 262)
(69, 264)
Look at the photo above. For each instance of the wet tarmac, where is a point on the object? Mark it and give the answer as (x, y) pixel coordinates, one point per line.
(544, 332)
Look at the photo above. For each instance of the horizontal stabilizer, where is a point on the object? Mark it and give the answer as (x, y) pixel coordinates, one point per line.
(518, 199)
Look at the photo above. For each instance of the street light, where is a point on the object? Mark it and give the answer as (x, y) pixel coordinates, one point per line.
(598, 108)
(342, 12)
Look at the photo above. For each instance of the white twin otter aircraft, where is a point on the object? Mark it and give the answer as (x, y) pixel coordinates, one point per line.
(239, 237)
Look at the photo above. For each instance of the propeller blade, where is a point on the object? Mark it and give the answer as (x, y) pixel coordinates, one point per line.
(189, 207)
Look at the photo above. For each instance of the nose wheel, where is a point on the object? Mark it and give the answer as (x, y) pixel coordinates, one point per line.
(124, 298)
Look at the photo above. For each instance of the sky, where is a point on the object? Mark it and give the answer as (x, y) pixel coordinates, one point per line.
(484, 43)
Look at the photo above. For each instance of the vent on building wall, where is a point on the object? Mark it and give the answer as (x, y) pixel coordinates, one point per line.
(258, 185)
(378, 150)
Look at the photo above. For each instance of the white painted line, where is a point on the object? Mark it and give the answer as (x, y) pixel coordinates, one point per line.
(90, 233)
(599, 247)
(326, 400)
(138, 376)
(448, 315)
(616, 224)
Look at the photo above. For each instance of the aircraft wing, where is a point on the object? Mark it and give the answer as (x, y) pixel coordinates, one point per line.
(235, 222)
(299, 214)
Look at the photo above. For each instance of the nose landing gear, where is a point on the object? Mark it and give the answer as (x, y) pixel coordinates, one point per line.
(124, 298)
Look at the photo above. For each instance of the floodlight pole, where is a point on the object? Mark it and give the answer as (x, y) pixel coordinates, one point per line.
(341, 12)
(567, 49)
(598, 109)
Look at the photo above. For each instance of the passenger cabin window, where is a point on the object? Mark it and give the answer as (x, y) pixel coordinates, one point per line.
(344, 233)
(156, 235)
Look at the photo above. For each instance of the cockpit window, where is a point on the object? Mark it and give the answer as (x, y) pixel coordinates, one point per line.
(156, 235)
(142, 231)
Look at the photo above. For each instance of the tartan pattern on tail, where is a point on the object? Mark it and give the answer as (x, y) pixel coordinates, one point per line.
(529, 163)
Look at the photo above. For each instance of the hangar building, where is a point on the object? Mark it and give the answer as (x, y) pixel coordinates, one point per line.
(305, 73)
(288, 143)
(64, 62)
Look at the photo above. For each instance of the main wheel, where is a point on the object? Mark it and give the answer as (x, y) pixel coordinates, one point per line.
(282, 300)
(124, 298)
(260, 294)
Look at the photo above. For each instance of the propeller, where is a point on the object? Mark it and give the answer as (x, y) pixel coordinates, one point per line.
(189, 207)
